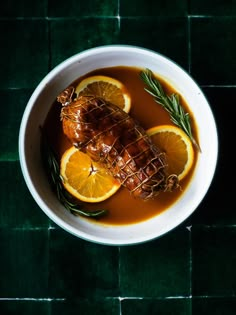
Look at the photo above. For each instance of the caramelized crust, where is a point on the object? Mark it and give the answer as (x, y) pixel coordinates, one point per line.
(114, 139)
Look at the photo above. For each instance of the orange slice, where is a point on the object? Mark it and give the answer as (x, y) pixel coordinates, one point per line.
(85, 179)
(177, 147)
(109, 89)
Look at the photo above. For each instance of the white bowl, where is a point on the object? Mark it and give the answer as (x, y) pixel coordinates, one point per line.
(37, 110)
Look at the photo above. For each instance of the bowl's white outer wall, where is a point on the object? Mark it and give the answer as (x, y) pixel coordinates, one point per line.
(36, 112)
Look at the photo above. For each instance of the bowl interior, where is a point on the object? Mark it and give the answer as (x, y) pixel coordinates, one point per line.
(36, 112)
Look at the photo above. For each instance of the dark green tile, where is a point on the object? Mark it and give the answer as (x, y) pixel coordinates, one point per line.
(213, 50)
(23, 8)
(24, 263)
(69, 37)
(153, 8)
(24, 54)
(218, 205)
(15, 101)
(213, 7)
(179, 306)
(17, 207)
(75, 8)
(213, 261)
(24, 307)
(167, 36)
(82, 269)
(89, 306)
(157, 269)
(214, 306)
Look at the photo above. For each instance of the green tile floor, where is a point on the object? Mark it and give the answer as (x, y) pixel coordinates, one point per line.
(46, 271)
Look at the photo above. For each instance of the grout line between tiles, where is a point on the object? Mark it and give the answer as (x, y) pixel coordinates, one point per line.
(154, 298)
(68, 18)
(118, 14)
(189, 45)
(200, 16)
(32, 299)
(49, 46)
(161, 298)
(9, 159)
(28, 228)
(190, 267)
(49, 259)
(120, 308)
(119, 279)
(56, 18)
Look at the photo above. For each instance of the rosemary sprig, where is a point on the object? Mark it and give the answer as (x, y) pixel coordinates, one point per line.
(170, 103)
(56, 179)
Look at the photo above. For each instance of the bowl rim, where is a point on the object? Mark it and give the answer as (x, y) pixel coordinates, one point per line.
(21, 140)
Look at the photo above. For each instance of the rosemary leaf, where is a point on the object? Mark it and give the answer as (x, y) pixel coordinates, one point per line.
(170, 103)
(56, 179)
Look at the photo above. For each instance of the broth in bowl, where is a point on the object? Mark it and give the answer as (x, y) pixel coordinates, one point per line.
(129, 220)
(122, 207)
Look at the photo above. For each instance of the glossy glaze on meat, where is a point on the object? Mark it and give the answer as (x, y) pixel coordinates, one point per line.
(113, 138)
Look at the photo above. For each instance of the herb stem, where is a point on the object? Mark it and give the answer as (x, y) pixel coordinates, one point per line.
(53, 170)
(171, 103)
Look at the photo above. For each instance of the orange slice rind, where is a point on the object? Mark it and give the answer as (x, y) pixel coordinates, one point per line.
(110, 89)
(84, 179)
(177, 147)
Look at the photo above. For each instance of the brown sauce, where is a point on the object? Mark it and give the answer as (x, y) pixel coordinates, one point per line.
(123, 207)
